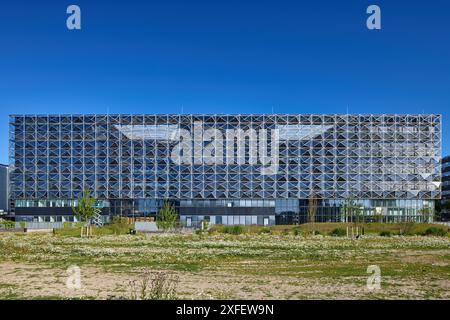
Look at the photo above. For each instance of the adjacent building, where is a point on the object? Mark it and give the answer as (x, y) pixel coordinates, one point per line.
(4, 190)
(228, 169)
(445, 213)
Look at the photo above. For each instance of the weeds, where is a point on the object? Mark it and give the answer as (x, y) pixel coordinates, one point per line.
(433, 231)
(236, 229)
(154, 286)
(338, 232)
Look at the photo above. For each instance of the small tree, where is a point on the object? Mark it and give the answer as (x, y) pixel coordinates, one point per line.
(427, 214)
(357, 215)
(350, 209)
(352, 212)
(312, 210)
(167, 216)
(85, 210)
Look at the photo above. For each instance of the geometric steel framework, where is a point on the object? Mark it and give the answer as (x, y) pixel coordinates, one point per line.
(328, 156)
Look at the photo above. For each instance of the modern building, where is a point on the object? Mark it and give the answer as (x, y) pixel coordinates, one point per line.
(445, 213)
(228, 169)
(4, 188)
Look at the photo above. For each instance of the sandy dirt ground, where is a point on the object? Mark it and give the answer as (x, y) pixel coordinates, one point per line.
(20, 280)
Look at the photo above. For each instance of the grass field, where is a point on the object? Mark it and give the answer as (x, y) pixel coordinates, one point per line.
(253, 265)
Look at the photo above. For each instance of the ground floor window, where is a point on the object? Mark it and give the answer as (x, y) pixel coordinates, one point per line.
(195, 221)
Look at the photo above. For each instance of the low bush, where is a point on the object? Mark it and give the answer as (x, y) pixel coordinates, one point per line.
(119, 225)
(435, 231)
(385, 233)
(216, 228)
(338, 232)
(199, 231)
(79, 224)
(6, 224)
(236, 229)
(67, 224)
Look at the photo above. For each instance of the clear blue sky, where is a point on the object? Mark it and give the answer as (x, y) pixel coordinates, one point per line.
(224, 57)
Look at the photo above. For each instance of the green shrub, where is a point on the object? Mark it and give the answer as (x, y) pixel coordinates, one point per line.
(119, 220)
(71, 232)
(67, 224)
(7, 224)
(435, 231)
(237, 229)
(119, 225)
(385, 233)
(338, 232)
(226, 229)
(167, 216)
(79, 224)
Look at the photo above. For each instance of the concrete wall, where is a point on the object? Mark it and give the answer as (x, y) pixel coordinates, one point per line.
(145, 226)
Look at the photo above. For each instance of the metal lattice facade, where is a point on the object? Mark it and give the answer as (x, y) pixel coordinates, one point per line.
(163, 156)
